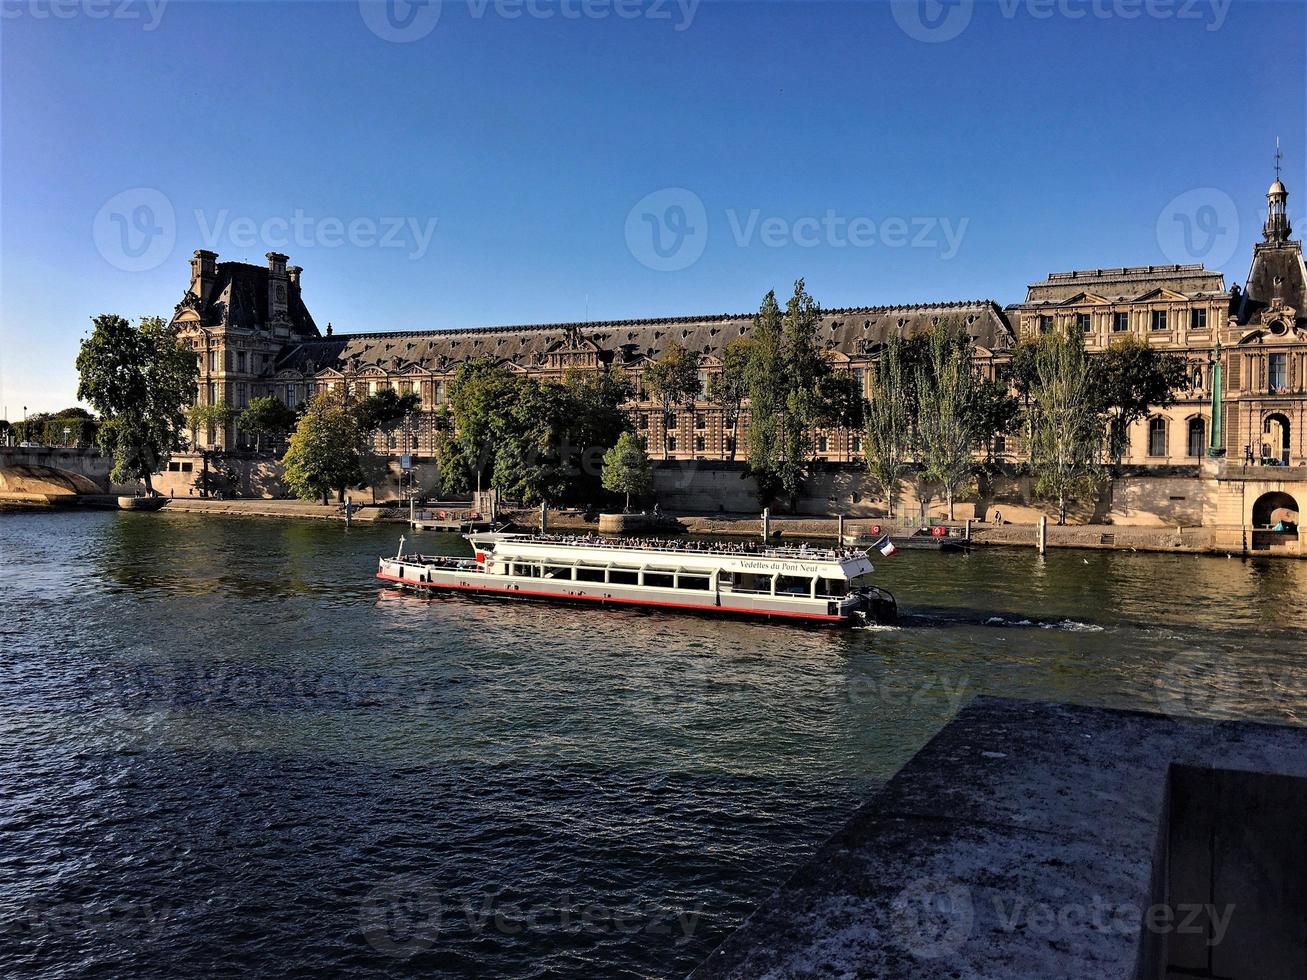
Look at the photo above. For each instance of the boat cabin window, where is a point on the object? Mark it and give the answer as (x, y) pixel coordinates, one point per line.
(836, 587)
(662, 580)
(793, 585)
(589, 574)
(699, 582)
(623, 576)
(558, 571)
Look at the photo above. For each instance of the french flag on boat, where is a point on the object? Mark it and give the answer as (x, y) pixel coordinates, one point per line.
(885, 546)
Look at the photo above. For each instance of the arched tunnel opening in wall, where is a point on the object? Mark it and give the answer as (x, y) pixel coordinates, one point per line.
(1271, 508)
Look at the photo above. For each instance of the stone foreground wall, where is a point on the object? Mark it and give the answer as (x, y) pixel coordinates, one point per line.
(1145, 501)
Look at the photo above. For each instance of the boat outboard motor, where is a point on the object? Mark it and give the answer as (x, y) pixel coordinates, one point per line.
(876, 605)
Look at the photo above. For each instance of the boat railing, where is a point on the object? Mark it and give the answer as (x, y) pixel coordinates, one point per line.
(694, 547)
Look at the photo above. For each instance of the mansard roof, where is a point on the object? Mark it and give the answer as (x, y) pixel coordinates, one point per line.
(855, 331)
(238, 299)
(1277, 277)
(1126, 282)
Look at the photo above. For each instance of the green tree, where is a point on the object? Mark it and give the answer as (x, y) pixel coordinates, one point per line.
(140, 380)
(384, 410)
(626, 468)
(1130, 379)
(728, 388)
(478, 395)
(267, 416)
(788, 393)
(951, 422)
(326, 449)
(672, 379)
(889, 412)
(1065, 425)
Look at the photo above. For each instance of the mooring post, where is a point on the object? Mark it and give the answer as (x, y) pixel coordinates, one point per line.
(349, 511)
(967, 533)
(1041, 539)
(839, 529)
(766, 524)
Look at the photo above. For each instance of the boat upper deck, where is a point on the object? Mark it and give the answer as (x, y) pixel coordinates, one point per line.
(742, 556)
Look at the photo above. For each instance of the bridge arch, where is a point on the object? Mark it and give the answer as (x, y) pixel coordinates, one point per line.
(28, 480)
(1274, 506)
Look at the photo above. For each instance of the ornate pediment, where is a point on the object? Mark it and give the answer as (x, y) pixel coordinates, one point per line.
(1163, 294)
(1083, 299)
(1276, 324)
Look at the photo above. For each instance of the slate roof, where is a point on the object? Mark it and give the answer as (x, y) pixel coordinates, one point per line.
(1125, 283)
(1271, 263)
(239, 299)
(855, 331)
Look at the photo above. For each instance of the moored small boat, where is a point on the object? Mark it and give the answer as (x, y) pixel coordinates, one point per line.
(792, 583)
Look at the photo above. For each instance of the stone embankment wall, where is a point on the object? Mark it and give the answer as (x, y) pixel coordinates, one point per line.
(1175, 499)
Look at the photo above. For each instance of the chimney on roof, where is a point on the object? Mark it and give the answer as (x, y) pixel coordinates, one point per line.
(277, 287)
(204, 271)
(293, 273)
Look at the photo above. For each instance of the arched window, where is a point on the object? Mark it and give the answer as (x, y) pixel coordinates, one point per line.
(1197, 436)
(1157, 436)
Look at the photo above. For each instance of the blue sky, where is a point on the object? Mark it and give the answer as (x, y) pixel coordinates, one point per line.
(514, 162)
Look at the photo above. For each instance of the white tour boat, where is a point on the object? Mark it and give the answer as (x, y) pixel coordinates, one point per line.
(800, 583)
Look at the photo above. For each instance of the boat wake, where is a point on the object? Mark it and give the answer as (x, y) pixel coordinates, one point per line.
(1066, 625)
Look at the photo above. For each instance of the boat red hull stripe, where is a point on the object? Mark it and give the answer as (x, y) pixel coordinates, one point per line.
(518, 593)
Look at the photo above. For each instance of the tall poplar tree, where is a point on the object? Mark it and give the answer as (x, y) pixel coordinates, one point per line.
(1066, 430)
(889, 413)
(948, 427)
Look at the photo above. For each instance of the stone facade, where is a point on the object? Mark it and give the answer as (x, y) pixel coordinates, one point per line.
(253, 335)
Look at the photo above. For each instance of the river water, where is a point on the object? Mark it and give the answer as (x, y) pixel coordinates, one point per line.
(224, 746)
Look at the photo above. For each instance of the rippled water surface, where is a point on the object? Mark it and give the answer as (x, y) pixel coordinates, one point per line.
(224, 747)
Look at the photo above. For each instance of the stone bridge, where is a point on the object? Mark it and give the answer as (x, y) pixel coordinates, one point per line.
(45, 471)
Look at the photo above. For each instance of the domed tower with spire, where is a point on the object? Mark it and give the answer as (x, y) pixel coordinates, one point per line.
(1275, 297)
(1277, 229)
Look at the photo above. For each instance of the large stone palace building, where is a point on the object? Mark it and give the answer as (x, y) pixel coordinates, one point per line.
(253, 336)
